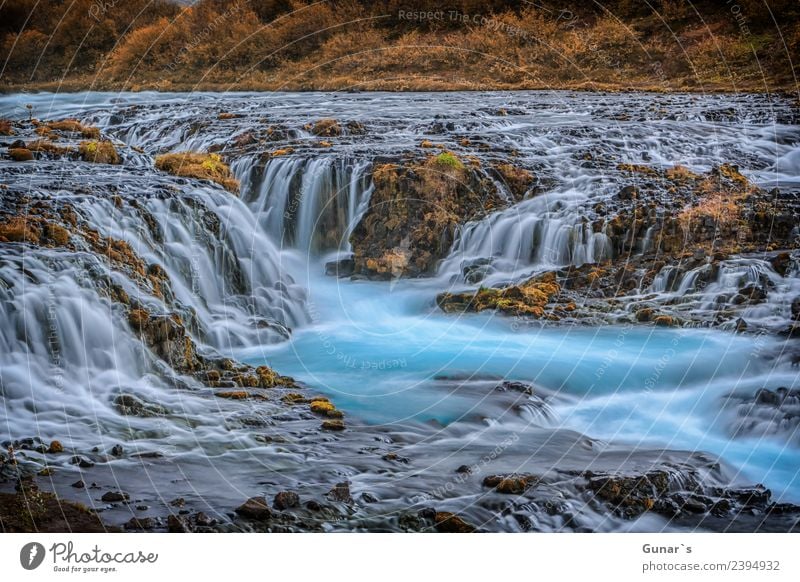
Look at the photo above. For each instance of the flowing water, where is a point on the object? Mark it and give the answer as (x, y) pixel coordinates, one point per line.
(248, 274)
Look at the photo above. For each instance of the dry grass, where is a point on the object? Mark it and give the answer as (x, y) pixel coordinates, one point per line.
(6, 128)
(199, 165)
(300, 44)
(74, 126)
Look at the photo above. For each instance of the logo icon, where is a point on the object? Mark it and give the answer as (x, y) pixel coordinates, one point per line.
(31, 555)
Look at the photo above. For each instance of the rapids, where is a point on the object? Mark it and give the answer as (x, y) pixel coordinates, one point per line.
(248, 275)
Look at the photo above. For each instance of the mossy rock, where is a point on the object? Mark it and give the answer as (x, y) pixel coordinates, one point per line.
(98, 152)
(203, 166)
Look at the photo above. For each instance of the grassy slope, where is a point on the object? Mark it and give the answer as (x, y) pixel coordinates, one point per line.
(329, 46)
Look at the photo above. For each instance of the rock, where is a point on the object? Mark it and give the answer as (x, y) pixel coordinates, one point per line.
(751, 294)
(340, 493)
(176, 524)
(178, 502)
(286, 500)
(368, 497)
(115, 497)
(796, 308)
(326, 128)
(255, 508)
(414, 213)
(510, 484)
(20, 154)
(628, 193)
(55, 448)
(332, 425)
(82, 462)
(446, 522)
(767, 397)
(130, 405)
(340, 268)
(98, 152)
(79, 484)
(521, 387)
(203, 520)
(630, 496)
(324, 407)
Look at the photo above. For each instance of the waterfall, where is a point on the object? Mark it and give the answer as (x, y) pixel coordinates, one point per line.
(546, 231)
(310, 204)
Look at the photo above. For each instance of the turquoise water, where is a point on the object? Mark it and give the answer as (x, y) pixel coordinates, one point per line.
(386, 355)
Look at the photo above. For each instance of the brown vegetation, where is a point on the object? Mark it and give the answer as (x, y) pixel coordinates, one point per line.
(338, 44)
(99, 152)
(199, 165)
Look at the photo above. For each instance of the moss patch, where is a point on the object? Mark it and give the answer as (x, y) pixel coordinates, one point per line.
(202, 166)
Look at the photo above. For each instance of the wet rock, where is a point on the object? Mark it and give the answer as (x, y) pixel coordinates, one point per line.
(510, 484)
(630, 496)
(368, 497)
(521, 387)
(255, 508)
(55, 448)
(446, 522)
(178, 502)
(767, 412)
(395, 458)
(82, 462)
(176, 524)
(333, 425)
(202, 520)
(414, 212)
(326, 128)
(20, 154)
(130, 405)
(115, 497)
(628, 193)
(286, 500)
(476, 271)
(341, 493)
(324, 407)
(795, 309)
(79, 484)
(340, 268)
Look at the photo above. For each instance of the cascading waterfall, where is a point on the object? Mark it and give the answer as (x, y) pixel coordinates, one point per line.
(245, 273)
(546, 231)
(311, 204)
(220, 264)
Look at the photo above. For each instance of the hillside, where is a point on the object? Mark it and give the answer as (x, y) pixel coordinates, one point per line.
(399, 45)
